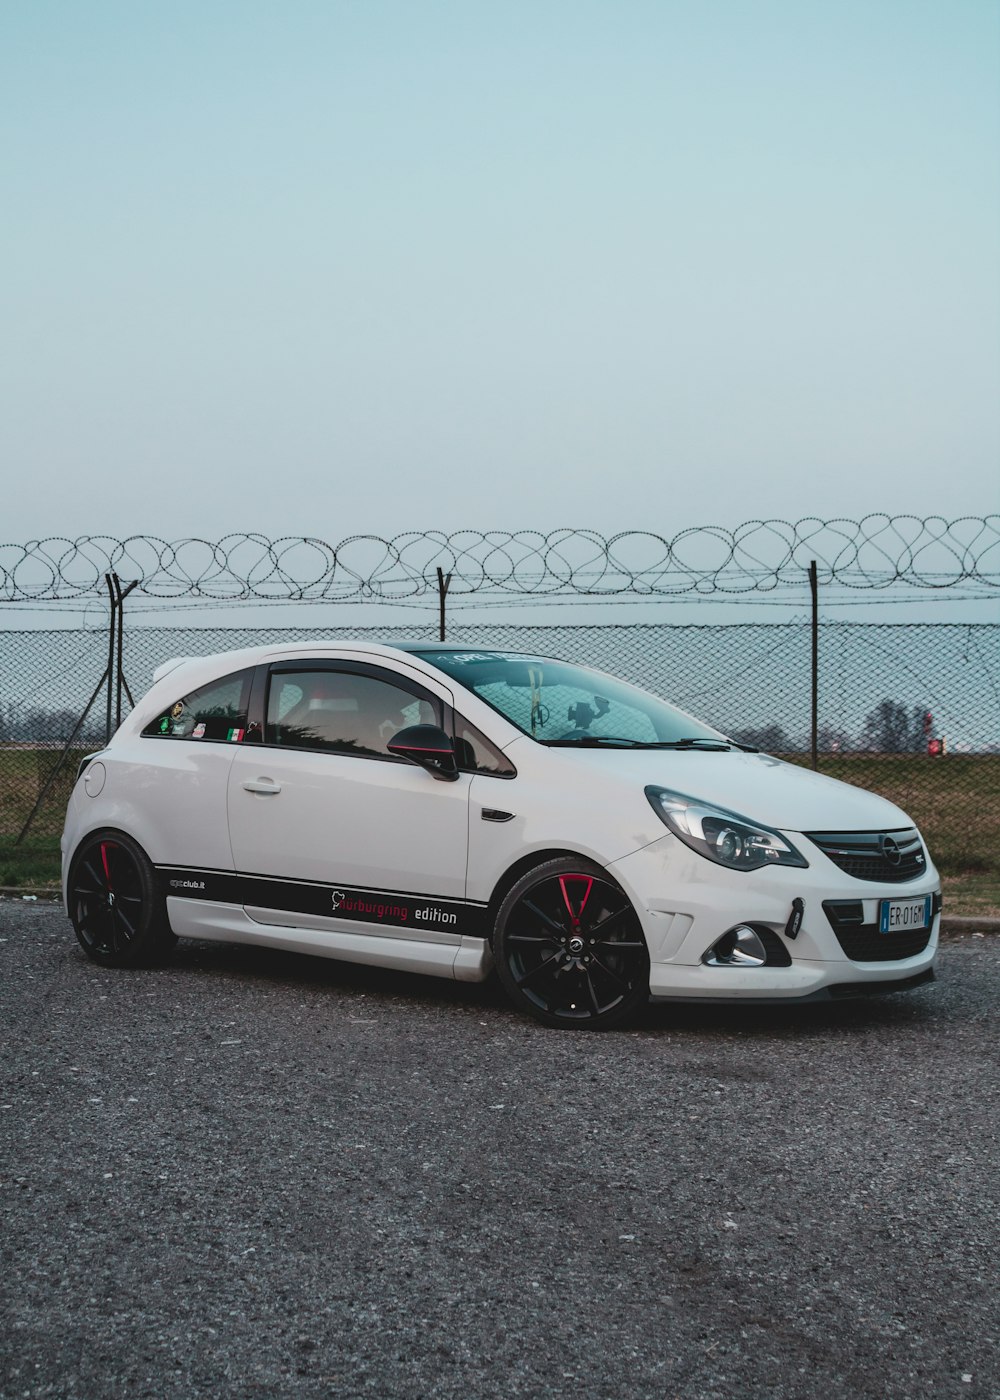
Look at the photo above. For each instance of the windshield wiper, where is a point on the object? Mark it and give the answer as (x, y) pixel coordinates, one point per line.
(594, 740)
(716, 744)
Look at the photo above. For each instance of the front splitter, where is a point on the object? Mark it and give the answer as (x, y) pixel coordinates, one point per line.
(836, 991)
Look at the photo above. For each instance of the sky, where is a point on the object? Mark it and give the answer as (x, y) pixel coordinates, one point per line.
(329, 267)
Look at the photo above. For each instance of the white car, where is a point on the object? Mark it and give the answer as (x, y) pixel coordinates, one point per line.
(444, 810)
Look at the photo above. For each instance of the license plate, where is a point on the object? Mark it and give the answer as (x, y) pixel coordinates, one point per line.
(903, 915)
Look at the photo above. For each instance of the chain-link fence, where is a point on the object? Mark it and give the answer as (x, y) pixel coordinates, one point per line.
(909, 710)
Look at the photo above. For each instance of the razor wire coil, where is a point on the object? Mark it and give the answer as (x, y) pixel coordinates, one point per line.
(878, 552)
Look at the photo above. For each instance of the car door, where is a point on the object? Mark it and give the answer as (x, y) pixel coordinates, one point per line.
(330, 830)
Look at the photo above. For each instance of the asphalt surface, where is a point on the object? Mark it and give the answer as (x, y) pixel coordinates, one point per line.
(253, 1174)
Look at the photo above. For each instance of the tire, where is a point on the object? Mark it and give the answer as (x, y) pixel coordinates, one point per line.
(113, 902)
(569, 948)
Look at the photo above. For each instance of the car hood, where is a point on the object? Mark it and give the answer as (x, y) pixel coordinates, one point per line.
(753, 785)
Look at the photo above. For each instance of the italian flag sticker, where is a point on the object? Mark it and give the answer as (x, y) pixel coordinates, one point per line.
(235, 736)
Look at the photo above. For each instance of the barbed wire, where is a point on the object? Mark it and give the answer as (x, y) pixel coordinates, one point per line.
(761, 556)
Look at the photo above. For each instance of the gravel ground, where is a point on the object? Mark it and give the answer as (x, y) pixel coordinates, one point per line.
(251, 1174)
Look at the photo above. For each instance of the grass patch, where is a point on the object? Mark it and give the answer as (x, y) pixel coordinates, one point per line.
(972, 896)
(35, 863)
(23, 775)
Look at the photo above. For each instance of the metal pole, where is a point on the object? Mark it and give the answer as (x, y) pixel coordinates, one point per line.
(443, 582)
(121, 595)
(118, 657)
(122, 682)
(112, 622)
(814, 590)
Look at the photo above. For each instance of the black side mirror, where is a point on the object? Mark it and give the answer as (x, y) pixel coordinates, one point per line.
(430, 747)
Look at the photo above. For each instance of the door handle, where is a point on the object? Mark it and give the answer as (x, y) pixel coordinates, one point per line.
(265, 786)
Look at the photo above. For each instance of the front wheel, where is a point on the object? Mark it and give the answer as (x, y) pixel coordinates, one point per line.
(569, 948)
(113, 902)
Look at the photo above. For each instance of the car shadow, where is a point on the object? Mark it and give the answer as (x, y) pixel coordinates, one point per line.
(303, 970)
(275, 965)
(792, 1020)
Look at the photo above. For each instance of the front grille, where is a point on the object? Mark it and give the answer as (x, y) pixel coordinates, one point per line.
(862, 942)
(890, 857)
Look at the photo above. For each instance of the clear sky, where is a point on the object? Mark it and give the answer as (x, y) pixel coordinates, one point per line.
(339, 266)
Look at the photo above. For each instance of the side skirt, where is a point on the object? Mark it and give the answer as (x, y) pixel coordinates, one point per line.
(466, 960)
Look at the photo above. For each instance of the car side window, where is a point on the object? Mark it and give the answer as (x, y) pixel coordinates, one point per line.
(214, 712)
(477, 754)
(342, 711)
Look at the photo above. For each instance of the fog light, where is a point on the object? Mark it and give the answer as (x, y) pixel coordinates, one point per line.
(740, 947)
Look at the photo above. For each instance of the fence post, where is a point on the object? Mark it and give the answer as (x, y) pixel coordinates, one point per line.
(814, 727)
(110, 672)
(120, 681)
(443, 581)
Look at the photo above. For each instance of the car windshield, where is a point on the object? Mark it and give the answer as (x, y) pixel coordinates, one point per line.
(558, 702)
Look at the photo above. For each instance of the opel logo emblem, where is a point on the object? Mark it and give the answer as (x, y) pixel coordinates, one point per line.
(890, 851)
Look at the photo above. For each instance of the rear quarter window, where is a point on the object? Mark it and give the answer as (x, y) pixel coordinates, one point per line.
(215, 712)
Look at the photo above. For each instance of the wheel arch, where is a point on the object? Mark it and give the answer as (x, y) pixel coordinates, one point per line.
(513, 873)
(86, 834)
(119, 917)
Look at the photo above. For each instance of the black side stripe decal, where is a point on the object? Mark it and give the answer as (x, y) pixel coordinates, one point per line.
(381, 907)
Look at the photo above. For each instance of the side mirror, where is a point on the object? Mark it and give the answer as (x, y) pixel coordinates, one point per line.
(428, 746)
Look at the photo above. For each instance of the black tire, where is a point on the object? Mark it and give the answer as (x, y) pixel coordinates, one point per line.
(113, 903)
(569, 948)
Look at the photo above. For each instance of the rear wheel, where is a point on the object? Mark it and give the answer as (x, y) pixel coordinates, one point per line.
(569, 948)
(113, 903)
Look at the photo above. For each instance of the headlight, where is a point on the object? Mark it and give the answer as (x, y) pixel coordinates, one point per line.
(721, 836)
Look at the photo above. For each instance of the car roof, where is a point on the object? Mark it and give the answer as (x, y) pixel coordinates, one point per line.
(188, 672)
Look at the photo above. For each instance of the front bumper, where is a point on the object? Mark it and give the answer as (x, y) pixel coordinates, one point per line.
(686, 903)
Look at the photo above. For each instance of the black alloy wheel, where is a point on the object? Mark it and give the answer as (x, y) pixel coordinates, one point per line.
(113, 903)
(569, 947)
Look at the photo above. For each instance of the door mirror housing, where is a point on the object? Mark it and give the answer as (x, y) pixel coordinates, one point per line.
(428, 746)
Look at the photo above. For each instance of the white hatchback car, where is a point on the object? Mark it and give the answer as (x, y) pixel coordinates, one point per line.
(444, 810)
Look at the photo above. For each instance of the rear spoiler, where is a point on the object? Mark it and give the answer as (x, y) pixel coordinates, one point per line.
(169, 666)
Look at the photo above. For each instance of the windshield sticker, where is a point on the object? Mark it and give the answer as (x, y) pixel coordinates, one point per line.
(464, 658)
(469, 658)
(198, 731)
(234, 736)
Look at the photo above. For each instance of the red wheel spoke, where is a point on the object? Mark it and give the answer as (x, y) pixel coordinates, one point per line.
(576, 914)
